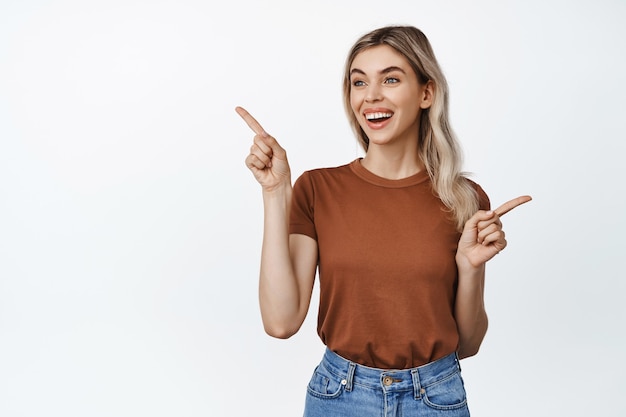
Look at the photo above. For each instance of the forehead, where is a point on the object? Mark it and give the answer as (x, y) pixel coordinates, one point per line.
(379, 57)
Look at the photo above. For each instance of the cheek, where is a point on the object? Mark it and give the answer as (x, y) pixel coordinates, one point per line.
(355, 103)
(410, 105)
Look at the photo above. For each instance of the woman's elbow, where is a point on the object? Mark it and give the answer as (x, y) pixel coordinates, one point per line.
(280, 332)
(470, 346)
(468, 351)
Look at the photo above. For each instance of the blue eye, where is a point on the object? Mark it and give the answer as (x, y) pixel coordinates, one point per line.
(358, 83)
(391, 80)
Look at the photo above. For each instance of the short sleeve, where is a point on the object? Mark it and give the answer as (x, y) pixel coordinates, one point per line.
(483, 198)
(302, 216)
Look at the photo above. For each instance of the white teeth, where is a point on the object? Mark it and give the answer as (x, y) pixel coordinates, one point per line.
(372, 116)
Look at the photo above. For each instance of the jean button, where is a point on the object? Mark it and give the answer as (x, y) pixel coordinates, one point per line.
(387, 381)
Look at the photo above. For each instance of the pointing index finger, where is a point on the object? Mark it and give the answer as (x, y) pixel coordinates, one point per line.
(511, 204)
(251, 121)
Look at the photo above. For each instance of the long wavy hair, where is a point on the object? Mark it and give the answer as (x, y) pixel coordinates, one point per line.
(438, 146)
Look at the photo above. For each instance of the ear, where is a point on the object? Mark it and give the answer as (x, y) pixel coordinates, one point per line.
(428, 92)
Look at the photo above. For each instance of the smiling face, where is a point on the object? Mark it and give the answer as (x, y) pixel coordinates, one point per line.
(386, 97)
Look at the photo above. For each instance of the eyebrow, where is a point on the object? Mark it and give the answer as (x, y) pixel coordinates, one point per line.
(383, 71)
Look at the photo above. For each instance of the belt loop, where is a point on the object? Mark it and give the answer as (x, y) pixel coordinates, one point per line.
(458, 361)
(417, 387)
(350, 376)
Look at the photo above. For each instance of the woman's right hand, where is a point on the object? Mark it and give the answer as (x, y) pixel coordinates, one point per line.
(267, 159)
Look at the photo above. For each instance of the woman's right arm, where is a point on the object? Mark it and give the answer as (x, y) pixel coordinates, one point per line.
(288, 262)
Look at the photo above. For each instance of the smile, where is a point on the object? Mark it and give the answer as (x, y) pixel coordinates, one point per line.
(378, 116)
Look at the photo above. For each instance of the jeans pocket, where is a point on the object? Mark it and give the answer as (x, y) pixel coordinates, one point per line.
(324, 384)
(446, 394)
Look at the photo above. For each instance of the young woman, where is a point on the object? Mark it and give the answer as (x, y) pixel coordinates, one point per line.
(400, 238)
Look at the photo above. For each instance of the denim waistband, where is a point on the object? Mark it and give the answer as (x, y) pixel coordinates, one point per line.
(390, 379)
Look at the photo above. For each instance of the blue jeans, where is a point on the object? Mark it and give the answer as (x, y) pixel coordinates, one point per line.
(340, 388)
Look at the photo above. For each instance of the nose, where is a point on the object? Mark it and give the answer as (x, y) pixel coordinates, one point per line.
(373, 93)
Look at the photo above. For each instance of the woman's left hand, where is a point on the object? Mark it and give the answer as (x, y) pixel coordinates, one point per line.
(483, 237)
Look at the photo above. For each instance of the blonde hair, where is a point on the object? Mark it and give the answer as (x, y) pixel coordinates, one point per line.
(438, 147)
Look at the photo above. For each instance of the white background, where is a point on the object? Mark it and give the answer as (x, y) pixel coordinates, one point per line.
(130, 228)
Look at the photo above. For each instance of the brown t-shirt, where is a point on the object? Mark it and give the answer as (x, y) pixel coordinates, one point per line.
(387, 271)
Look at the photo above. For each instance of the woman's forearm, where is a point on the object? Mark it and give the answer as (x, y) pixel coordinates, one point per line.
(470, 313)
(282, 300)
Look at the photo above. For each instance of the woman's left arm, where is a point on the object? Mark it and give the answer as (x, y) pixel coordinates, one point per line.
(469, 311)
(481, 240)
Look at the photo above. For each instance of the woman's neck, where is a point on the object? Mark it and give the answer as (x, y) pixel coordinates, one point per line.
(393, 164)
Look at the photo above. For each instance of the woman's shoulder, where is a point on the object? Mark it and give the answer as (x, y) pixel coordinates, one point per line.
(330, 171)
(322, 180)
(483, 198)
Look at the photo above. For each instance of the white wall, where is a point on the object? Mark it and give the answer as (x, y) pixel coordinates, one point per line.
(130, 228)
